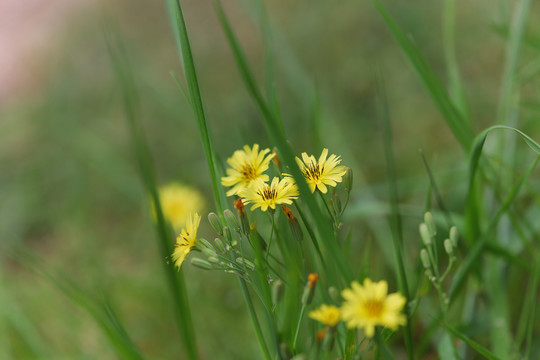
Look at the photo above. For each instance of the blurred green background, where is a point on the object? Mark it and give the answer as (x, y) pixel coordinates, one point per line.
(70, 188)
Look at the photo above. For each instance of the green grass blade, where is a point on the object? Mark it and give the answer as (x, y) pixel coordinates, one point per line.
(395, 219)
(175, 279)
(197, 104)
(111, 327)
(454, 119)
(474, 345)
(449, 42)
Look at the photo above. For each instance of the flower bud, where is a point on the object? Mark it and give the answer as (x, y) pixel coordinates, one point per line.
(334, 294)
(227, 233)
(246, 263)
(219, 245)
(213, 219)
(454, 236)
(448, 247)
(348, 179)
(309, 289)
(424, 234)
(205, 244)
(296, 229)
(432, 229)
(200, 263)
(213, 259)
(244, 222)
(231, 219)
(277, 291)
(424, 257)
(208, 252)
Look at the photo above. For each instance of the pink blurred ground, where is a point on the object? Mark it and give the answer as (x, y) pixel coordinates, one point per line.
(27, 30)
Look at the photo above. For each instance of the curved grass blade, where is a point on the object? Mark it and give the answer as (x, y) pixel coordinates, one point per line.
(454, 119)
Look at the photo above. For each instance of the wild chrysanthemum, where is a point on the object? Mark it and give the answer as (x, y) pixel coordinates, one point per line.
(186, 240)
(369, 305)
(247, 166)
(320, 173)
(327, 314)
(264, 195)
(177, 201)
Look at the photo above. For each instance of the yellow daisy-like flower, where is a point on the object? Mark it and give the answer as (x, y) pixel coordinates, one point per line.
(320, 173)
(247, 166)
(264, 195)
(327, 314)
(177, 201)
(186, 240)
(369, 305)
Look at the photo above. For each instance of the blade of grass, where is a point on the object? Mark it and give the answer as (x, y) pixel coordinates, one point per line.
(479, 245)
(449, 43)
(454, 119)
(175, 279)
(110, 326)
(197, 103)
(479, 348)
(397, 231)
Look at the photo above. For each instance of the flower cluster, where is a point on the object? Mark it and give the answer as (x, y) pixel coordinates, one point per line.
(365, 307)
(247, 179)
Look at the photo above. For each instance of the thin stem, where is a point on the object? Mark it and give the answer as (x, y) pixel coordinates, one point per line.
(297, 331)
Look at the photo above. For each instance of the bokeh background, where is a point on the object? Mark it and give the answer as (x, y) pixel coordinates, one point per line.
(70, 189)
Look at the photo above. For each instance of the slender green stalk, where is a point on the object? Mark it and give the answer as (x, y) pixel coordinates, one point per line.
(297, 331)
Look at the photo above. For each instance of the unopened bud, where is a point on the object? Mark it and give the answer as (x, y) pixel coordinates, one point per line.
(448, 247)
(231, 219)
(246, 263)
(348, 179)
(454, 236)
(244, 222)
(296, 229)
(208, 252)
(309, 289)
(424, 234)
(335, 202)
(424, 257)
(227, 233)
(213, 219)
(432, 229)
(334, 294)
(213, 259)
(205, 244)
(201, 263)
(277, 291)
(219, 245)
(276, 159)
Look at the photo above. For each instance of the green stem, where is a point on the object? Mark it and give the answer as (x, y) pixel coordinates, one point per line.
(297, 331)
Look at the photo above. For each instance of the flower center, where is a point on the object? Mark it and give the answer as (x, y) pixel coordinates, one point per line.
(312, 171)
(373, 308)
(248, 172)
(268, 193)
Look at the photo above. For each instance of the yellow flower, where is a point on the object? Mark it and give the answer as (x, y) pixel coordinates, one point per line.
(177, 201)
(320, 173)
(264, 195)
(186, 240)
(247, 166)
(369, 305)
(326, 314)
